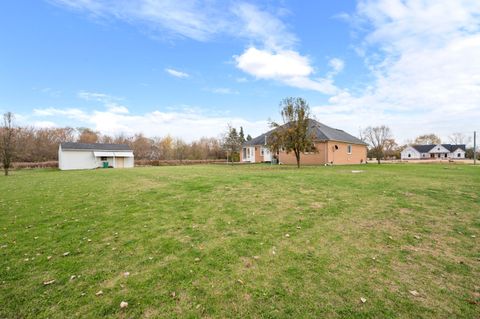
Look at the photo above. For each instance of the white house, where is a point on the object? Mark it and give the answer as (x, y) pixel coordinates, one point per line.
(90, 156)
(432, 151)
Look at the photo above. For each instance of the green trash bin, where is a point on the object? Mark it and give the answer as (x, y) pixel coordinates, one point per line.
(105, 164)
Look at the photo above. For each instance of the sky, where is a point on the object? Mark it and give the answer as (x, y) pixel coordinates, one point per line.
(189, 68)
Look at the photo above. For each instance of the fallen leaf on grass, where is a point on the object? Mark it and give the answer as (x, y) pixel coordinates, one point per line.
(126, 274)
(414, 293)
(240, 281)
(99, 293)
(123, 304)
(49, 257)
(66, 254)
(287, 235)
(417, 237)
(363, 300)
(72, 277)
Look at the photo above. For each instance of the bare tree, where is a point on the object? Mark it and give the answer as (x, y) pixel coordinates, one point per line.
(7, 141)
(232, 143)
(293, 134)
(459, 138)
(87, 135)
(428, 139)
(379, 138)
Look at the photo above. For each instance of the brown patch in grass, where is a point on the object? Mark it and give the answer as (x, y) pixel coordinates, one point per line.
(317, 205)
(150, 313)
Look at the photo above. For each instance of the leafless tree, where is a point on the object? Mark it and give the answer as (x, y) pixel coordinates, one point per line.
(379, 138)
(428, 139)
(7, 141)
(87, 135)
(232, 144)
(459, 138)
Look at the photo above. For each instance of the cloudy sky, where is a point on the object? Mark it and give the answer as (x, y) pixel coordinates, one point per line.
(187, 68)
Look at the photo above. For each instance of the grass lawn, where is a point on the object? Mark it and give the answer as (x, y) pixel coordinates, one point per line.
(245, 241)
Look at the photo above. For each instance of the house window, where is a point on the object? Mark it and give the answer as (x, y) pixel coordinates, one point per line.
(103, 158)
(262, 151)
(349, 149)
(458, 154)
(409, 155)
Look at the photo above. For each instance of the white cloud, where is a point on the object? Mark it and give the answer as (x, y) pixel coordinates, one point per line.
(336, 64)
(70, 113)
(267, 65)
(177, 74)
(110, 102)
(44, 124)
(288, 67)
(191, 19)
(188, 123)
(424, 59)
(263, 27)
(223, 91)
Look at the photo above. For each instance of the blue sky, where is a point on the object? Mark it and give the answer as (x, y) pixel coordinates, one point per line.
(189, 68)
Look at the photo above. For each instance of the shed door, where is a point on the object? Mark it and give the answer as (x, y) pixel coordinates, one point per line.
(119, 162)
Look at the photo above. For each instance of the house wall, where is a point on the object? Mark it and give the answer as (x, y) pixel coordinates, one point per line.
(326, 153)
(251, 158)
(258, 154)
(68, 160)
(129, 162)
(414, 154)
(76, 160)
(454, 155)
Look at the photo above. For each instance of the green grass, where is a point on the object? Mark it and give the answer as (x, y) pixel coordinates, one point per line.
(194, 231)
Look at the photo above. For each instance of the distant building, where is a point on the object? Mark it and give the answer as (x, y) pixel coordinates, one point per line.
(432, 151)
(90, 156)
(333, 146)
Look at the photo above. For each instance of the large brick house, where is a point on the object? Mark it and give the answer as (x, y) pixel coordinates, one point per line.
(333, 146)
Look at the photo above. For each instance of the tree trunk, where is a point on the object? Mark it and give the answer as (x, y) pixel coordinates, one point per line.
(297, 156)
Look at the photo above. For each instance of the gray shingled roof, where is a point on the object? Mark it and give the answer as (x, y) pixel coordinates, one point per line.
(320, 131)
(95, 147)
(428, 147)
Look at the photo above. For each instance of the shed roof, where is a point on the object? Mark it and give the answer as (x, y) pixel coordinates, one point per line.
(320, 131)
(95, 146)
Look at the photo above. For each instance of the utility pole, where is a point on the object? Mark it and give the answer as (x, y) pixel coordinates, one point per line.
(474, 147)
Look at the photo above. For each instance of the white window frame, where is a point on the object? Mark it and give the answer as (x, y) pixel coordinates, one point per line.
(349, 149)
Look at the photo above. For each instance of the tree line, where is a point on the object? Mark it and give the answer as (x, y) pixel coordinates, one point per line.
(31, 144)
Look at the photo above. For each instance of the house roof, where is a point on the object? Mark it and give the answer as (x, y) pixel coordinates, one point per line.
(320, 131)
(95, 146)
(427, 148)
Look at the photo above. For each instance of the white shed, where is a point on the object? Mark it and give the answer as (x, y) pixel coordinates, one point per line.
(90, 156)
